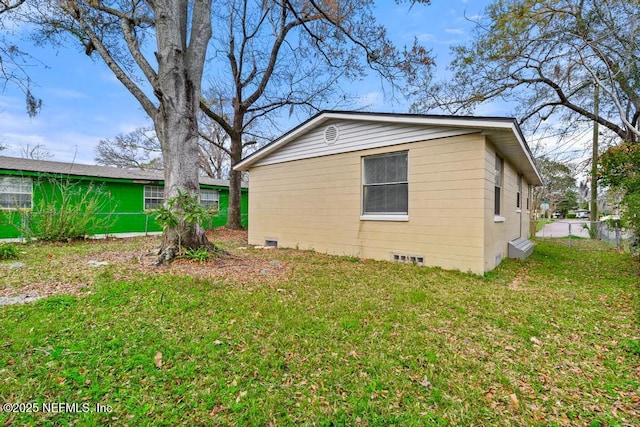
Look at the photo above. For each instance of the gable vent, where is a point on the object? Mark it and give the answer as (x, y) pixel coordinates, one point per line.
(331, 134)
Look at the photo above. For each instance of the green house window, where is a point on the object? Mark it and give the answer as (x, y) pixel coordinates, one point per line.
(16, 193)
(153, 197)
(209, 198)
(385, 184)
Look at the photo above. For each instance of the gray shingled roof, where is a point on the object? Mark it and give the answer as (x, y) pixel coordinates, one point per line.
(76, 169)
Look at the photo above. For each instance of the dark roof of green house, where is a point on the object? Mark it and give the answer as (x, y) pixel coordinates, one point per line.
(77, 169)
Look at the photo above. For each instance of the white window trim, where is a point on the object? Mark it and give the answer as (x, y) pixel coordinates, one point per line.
(396, 218)
(383, 216)
(30, 193)
(145, 198)
(498, 218)
(210, 191)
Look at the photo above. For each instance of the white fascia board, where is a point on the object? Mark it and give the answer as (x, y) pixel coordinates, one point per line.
(523, 146)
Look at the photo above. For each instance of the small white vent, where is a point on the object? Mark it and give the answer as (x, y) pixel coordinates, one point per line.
(331, 134)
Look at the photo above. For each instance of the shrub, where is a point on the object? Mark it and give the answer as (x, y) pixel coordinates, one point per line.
(68, 211)
(8, 251)
(182, 208)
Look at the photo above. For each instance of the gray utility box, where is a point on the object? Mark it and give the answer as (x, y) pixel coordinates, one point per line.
(520, 248)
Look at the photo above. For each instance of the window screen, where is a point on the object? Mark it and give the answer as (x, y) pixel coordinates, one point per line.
(385, 184)
(15, 193)
(209, 198)
(153, 197)
(498, 185)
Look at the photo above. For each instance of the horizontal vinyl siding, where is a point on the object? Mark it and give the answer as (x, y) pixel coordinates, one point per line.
(357, 136)
(316, 204)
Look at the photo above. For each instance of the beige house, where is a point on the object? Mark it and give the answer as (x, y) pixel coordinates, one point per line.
(453, 192)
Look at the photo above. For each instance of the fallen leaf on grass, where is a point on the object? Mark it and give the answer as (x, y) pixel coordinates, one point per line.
(425, 382)
(240, 396)
(513, 401)
(535, 341)
(158, 360)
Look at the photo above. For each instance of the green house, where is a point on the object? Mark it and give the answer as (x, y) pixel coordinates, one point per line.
(123, 199)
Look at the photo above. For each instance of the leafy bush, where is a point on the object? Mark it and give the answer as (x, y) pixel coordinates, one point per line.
(199, 254)
(68, 211)
(8, 251)
(619, 168)
(183, 208)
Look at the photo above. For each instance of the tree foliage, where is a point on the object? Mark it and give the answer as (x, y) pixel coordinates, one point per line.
(545, 56)
(619, 167)
(559, 187)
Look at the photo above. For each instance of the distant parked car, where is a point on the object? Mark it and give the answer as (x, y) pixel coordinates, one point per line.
(582, 214)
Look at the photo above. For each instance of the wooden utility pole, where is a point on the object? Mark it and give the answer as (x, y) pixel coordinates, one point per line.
(594, 166)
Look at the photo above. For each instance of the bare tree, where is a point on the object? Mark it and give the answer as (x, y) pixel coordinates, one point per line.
(35, 152)
(546, 56)
(214, 151)
(292, 54)
(138, 149)
(158, 49)
(13, 60)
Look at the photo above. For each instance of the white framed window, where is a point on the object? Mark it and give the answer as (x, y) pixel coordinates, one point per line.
(16, 193)
(385, 185)
(209, 198)
(153, 197)
(499, 166)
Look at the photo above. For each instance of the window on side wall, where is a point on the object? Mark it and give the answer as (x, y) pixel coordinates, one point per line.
(498, 185)
(385, 187)
(153, 197)
(16, 193)
(209, 198)
(519, 192)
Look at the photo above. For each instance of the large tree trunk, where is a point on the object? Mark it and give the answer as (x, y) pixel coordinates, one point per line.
(180, 64)
(234, 216)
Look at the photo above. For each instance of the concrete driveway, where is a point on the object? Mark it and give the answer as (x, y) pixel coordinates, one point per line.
(564, 227)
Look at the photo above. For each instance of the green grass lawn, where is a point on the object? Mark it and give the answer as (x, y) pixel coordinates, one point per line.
(553, 340)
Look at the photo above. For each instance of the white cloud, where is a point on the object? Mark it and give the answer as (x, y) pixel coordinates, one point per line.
(457, 31)
(63, 93)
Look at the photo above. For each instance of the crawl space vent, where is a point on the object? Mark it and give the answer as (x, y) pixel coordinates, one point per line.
(331, 134)
(408, 259)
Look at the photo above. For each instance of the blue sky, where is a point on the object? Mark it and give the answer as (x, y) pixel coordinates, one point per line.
(84, 103)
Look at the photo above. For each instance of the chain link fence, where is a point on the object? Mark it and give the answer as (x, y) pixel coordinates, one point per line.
(586, 235)
(24, 224)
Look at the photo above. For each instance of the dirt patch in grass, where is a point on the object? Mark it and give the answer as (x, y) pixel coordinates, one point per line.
(52, 269)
